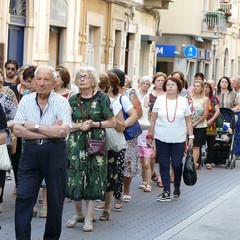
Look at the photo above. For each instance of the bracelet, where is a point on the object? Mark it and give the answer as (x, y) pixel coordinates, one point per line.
(191, 137)
(100, 124)
(149, 136)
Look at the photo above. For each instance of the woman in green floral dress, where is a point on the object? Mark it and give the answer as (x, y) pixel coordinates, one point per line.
(87, 175)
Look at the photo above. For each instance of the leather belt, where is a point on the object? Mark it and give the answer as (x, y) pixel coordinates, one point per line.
(42, 141)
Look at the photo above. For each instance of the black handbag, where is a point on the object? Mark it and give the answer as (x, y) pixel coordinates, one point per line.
(189, 171)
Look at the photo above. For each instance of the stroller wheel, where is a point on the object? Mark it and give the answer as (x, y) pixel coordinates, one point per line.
(234, 161)
(232, 165)
(226, 164)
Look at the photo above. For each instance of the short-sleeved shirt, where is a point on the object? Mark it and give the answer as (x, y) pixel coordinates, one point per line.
(116, 105)
(125, 102)
(57, 108)
(228, 100)
(8, 104)
(171, 132)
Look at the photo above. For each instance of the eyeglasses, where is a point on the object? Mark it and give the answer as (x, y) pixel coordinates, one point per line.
(82, 76)
(12, 69)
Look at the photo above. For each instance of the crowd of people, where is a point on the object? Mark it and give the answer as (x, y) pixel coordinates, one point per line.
(61, 130)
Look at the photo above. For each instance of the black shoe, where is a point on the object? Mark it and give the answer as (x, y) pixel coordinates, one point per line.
(164, 197)
(176, 193)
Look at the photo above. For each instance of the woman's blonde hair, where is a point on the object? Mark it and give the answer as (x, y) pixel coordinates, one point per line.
(202, 85)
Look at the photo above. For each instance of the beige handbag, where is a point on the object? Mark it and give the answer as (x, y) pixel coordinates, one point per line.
(5, 163)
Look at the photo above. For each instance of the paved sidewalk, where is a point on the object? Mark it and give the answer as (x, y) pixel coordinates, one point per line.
(208, 210)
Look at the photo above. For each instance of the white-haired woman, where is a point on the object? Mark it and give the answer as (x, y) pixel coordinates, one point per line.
(87, 175)
(145, 152)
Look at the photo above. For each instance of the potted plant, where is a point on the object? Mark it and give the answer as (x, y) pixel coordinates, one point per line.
(227, 15)
(211, 18)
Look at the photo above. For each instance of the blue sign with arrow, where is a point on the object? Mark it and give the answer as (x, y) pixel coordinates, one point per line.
(190, 51)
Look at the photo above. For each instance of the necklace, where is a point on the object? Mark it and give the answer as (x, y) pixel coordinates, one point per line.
(81, 109)
(174, 111)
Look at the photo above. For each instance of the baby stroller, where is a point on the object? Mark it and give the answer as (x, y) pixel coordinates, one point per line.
(224, 144)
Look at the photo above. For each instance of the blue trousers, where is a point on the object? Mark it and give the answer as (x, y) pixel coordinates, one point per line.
(167, 154)
(237, 136)
(47, 161)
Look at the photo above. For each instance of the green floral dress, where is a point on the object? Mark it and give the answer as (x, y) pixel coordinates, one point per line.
(87, 176)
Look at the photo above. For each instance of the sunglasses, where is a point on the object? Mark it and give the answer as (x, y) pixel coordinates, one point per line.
(12, 69)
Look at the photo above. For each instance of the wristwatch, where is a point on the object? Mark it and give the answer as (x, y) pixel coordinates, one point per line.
(191, 137)
(36, 128)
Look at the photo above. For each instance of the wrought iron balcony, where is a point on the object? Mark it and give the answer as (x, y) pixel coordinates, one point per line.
(225, 6)
(215, 21)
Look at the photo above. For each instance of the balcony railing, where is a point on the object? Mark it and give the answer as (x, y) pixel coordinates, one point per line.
(226, 7)
(214, 21)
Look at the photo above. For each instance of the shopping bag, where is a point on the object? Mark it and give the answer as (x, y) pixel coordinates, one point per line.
(5, 163)
(115, 140)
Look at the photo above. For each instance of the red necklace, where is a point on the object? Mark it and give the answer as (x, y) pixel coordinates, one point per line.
(174, 111)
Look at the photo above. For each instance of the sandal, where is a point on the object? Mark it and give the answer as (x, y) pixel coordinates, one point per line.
(43, 212)
(142, 185)
(74, 220)
(160, 184)
(100, 207)
(154, 177)
(197, 166)
(104, 216)
(127, 198)
(88, 226)
(148, 188)
(118, 205)
(208, 166)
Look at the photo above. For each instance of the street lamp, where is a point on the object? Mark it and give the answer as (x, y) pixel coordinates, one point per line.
(215, 41)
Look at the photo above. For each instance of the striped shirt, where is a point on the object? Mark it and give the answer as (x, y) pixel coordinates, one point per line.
(228, 100)
(57, 108)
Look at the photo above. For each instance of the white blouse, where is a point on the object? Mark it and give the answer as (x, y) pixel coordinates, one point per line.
(166, 131)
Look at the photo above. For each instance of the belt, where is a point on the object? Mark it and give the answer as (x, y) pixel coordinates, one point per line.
(42, 141)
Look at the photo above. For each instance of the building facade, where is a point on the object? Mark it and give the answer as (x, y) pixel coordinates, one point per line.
(211, 28)
(138, 36)
(100, 33)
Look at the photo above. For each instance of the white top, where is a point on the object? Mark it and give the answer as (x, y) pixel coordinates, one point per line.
(126, 103)
(57, 108)
(116, 106)
(171, 132)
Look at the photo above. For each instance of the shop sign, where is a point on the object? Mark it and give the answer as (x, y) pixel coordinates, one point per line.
(201, 53)
(208, 54)
(166, 50)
